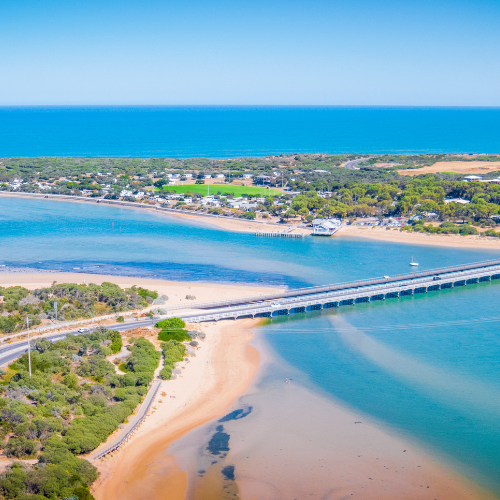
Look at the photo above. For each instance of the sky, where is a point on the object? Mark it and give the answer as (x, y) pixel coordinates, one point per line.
(293, 52)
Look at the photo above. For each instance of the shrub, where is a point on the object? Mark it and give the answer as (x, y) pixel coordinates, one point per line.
(171, 324)
(173, 352)
(178, 335)
(120, 319)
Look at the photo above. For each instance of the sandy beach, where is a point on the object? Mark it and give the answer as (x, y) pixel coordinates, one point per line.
(354, 458)
(397, 236)
(211, 382)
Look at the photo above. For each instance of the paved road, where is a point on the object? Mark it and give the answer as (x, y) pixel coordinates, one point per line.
(12, 351)
(353, 164)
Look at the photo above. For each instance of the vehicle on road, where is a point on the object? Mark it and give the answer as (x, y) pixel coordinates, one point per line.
(83, 330)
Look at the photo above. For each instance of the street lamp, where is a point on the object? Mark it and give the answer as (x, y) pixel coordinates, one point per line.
(29, 346)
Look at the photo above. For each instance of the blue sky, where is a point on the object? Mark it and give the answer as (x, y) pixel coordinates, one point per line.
(346, 52)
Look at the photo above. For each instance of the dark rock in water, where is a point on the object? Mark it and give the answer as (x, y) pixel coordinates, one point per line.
(228, 472)
(219, 442)
(237, 414)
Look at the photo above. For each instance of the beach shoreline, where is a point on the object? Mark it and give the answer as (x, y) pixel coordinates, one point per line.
(368, 460)
(380, 233)
(389, 235)
(226, 223)
(210, 384)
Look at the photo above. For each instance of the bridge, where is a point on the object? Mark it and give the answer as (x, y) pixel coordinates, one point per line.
(331, 296)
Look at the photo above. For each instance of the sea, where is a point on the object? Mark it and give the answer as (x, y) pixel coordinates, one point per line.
(425, 367)
(234, 131)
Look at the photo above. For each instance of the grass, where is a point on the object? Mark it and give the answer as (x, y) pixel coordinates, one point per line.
(224, 189)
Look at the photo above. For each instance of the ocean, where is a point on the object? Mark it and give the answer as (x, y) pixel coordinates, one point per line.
(233, 131)
(426, 367)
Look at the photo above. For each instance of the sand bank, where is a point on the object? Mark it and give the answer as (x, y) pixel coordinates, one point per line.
(396, 236)
(211, 382)
(242, 225)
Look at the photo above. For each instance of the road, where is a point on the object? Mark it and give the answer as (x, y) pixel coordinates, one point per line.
(12, 351)
(353, 164)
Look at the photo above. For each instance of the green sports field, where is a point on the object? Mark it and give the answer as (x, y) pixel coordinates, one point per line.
(225, 189)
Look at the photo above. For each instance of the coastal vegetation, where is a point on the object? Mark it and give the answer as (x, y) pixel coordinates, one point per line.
(17, 304)
(173, 352)
(172, 329)
(72, 402)
(314, 186)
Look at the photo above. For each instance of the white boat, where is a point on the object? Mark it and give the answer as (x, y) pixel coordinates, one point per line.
(412, 263)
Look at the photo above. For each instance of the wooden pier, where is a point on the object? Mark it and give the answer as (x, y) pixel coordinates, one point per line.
(280, 235)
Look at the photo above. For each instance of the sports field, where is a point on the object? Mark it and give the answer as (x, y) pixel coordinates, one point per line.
(235, 190)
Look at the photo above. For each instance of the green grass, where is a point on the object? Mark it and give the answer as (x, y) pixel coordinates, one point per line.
(225, 189)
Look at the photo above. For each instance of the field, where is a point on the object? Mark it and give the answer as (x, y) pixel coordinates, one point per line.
(455, 167)
(235, 190)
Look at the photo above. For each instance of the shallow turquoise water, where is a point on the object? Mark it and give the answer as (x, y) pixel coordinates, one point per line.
(427, 365)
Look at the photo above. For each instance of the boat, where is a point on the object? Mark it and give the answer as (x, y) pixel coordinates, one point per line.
(413, 263)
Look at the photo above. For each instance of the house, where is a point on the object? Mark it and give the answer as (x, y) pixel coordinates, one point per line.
(247, 176)
(456, 200)
(220, 176)
(139, 195)
(208, 176)
(188, 176)
(325, 227)
(264, 179)
(367, 221)
(125, 193)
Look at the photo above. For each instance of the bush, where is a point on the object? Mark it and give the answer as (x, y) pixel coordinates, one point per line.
(492, 232)
(170, 324)
(120, 319)
(178, 335)
(20, 447)
(173, 352)
(467, 229)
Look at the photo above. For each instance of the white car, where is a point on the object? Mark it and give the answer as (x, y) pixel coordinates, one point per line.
(83, 330)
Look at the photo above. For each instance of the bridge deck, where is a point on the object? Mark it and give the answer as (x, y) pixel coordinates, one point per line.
(352, 293)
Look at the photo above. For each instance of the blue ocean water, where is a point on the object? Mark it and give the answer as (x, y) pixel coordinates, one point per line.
(230, 131)
(427, 365)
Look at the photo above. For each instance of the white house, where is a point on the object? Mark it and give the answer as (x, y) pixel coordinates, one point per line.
(139, 195)
(456, 200)
(247, 176)
(125, 193)
(208, 176)
(220, 176)
(325, 227)
(188, 176)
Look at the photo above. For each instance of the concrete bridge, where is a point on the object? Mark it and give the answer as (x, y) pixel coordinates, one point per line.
(331, 296)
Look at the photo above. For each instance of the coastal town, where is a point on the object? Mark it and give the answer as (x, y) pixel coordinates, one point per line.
(433, 194)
